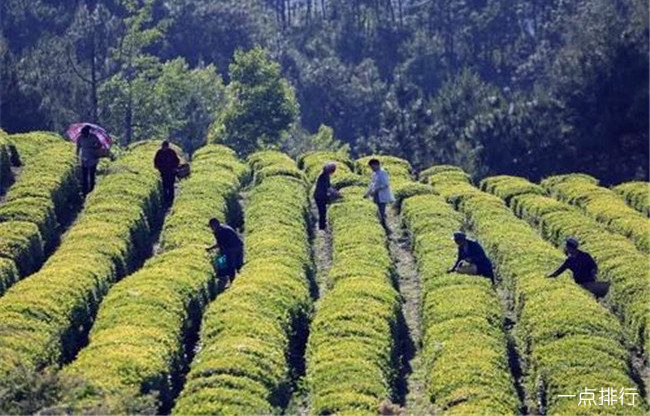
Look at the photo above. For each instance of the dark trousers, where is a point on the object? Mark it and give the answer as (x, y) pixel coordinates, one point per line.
(88, 174)
(598, 289)
(382, 211)
(321, 204)
(168, 181)
(234, 261)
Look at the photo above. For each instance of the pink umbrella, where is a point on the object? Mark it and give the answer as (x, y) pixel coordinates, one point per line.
(74, 131)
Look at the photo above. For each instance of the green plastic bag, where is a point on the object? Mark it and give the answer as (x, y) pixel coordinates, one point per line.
(221, 264)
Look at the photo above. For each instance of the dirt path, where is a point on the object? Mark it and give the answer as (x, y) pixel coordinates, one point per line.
(321, 244)
(322, 254)
(15, 173)
(642, 372)
(411, 386)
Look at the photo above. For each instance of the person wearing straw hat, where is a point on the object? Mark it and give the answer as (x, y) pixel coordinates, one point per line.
(471, 259)
(583, 267)
(323, 193)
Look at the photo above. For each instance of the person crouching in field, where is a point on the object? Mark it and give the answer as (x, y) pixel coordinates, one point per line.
(584, 269)
(324, 193)
(167, 162)
(472, 259)
(230, 245)
(380, 190)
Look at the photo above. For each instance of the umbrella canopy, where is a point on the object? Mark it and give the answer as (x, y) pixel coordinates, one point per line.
(74, 131)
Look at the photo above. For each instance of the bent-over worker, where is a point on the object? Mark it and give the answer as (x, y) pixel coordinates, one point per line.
(323, 193)
(471, 259)
(230, 244)
(583, 267)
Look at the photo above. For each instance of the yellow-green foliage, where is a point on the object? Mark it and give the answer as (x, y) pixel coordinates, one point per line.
(242, 367)
(346, 179)
(506, 187)
(618, 259)
(567, 339)
(46, 191)
(266, 158)
(21, 243)
(24, 146)
(434, 170)
(216, 176)
(272, 163)
(571, 177)
(137, 342)
(404, 189)
(449, 176)
(464, 345)
(637, 195)
(269, 171)
(604, 205)
(8, 273)
(351, 350)
(225, 157)
(43, 317)
(397, 168)
(312, 163)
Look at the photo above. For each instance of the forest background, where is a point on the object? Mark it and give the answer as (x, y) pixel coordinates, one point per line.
(523, 87)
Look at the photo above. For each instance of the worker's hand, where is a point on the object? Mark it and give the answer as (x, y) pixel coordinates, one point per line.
(550, 275)
(450, 271)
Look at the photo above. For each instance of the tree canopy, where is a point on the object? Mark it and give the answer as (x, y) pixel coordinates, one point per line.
(496, 86)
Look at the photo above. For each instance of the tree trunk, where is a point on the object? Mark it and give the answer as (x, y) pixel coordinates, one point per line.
(94, 102)
(400, 11)
(288, 13)
(308, 16)
(128, 118)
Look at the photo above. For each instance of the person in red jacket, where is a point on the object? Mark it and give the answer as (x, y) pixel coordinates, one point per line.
(167, 162)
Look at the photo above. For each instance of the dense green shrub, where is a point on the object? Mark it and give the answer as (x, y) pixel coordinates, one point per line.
(618, 259)
(568, 340)
(636, 194)
(312, 163)
(47, 190)
(243, 365)
(604, 205)
(21, 242)
(434, 170)
(351, 352)
(137, 344)
(506, 187)
(397, 168)
(464, 344)
(44, 318)
(24, 146)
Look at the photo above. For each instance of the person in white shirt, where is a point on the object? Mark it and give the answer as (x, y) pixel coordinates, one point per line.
(380, 190)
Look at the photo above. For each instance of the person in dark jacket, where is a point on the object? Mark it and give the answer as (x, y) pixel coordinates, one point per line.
(471, 259)
(167, 162)
(323, 193)
(584, 268)
(229, 244)
(87, 147)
